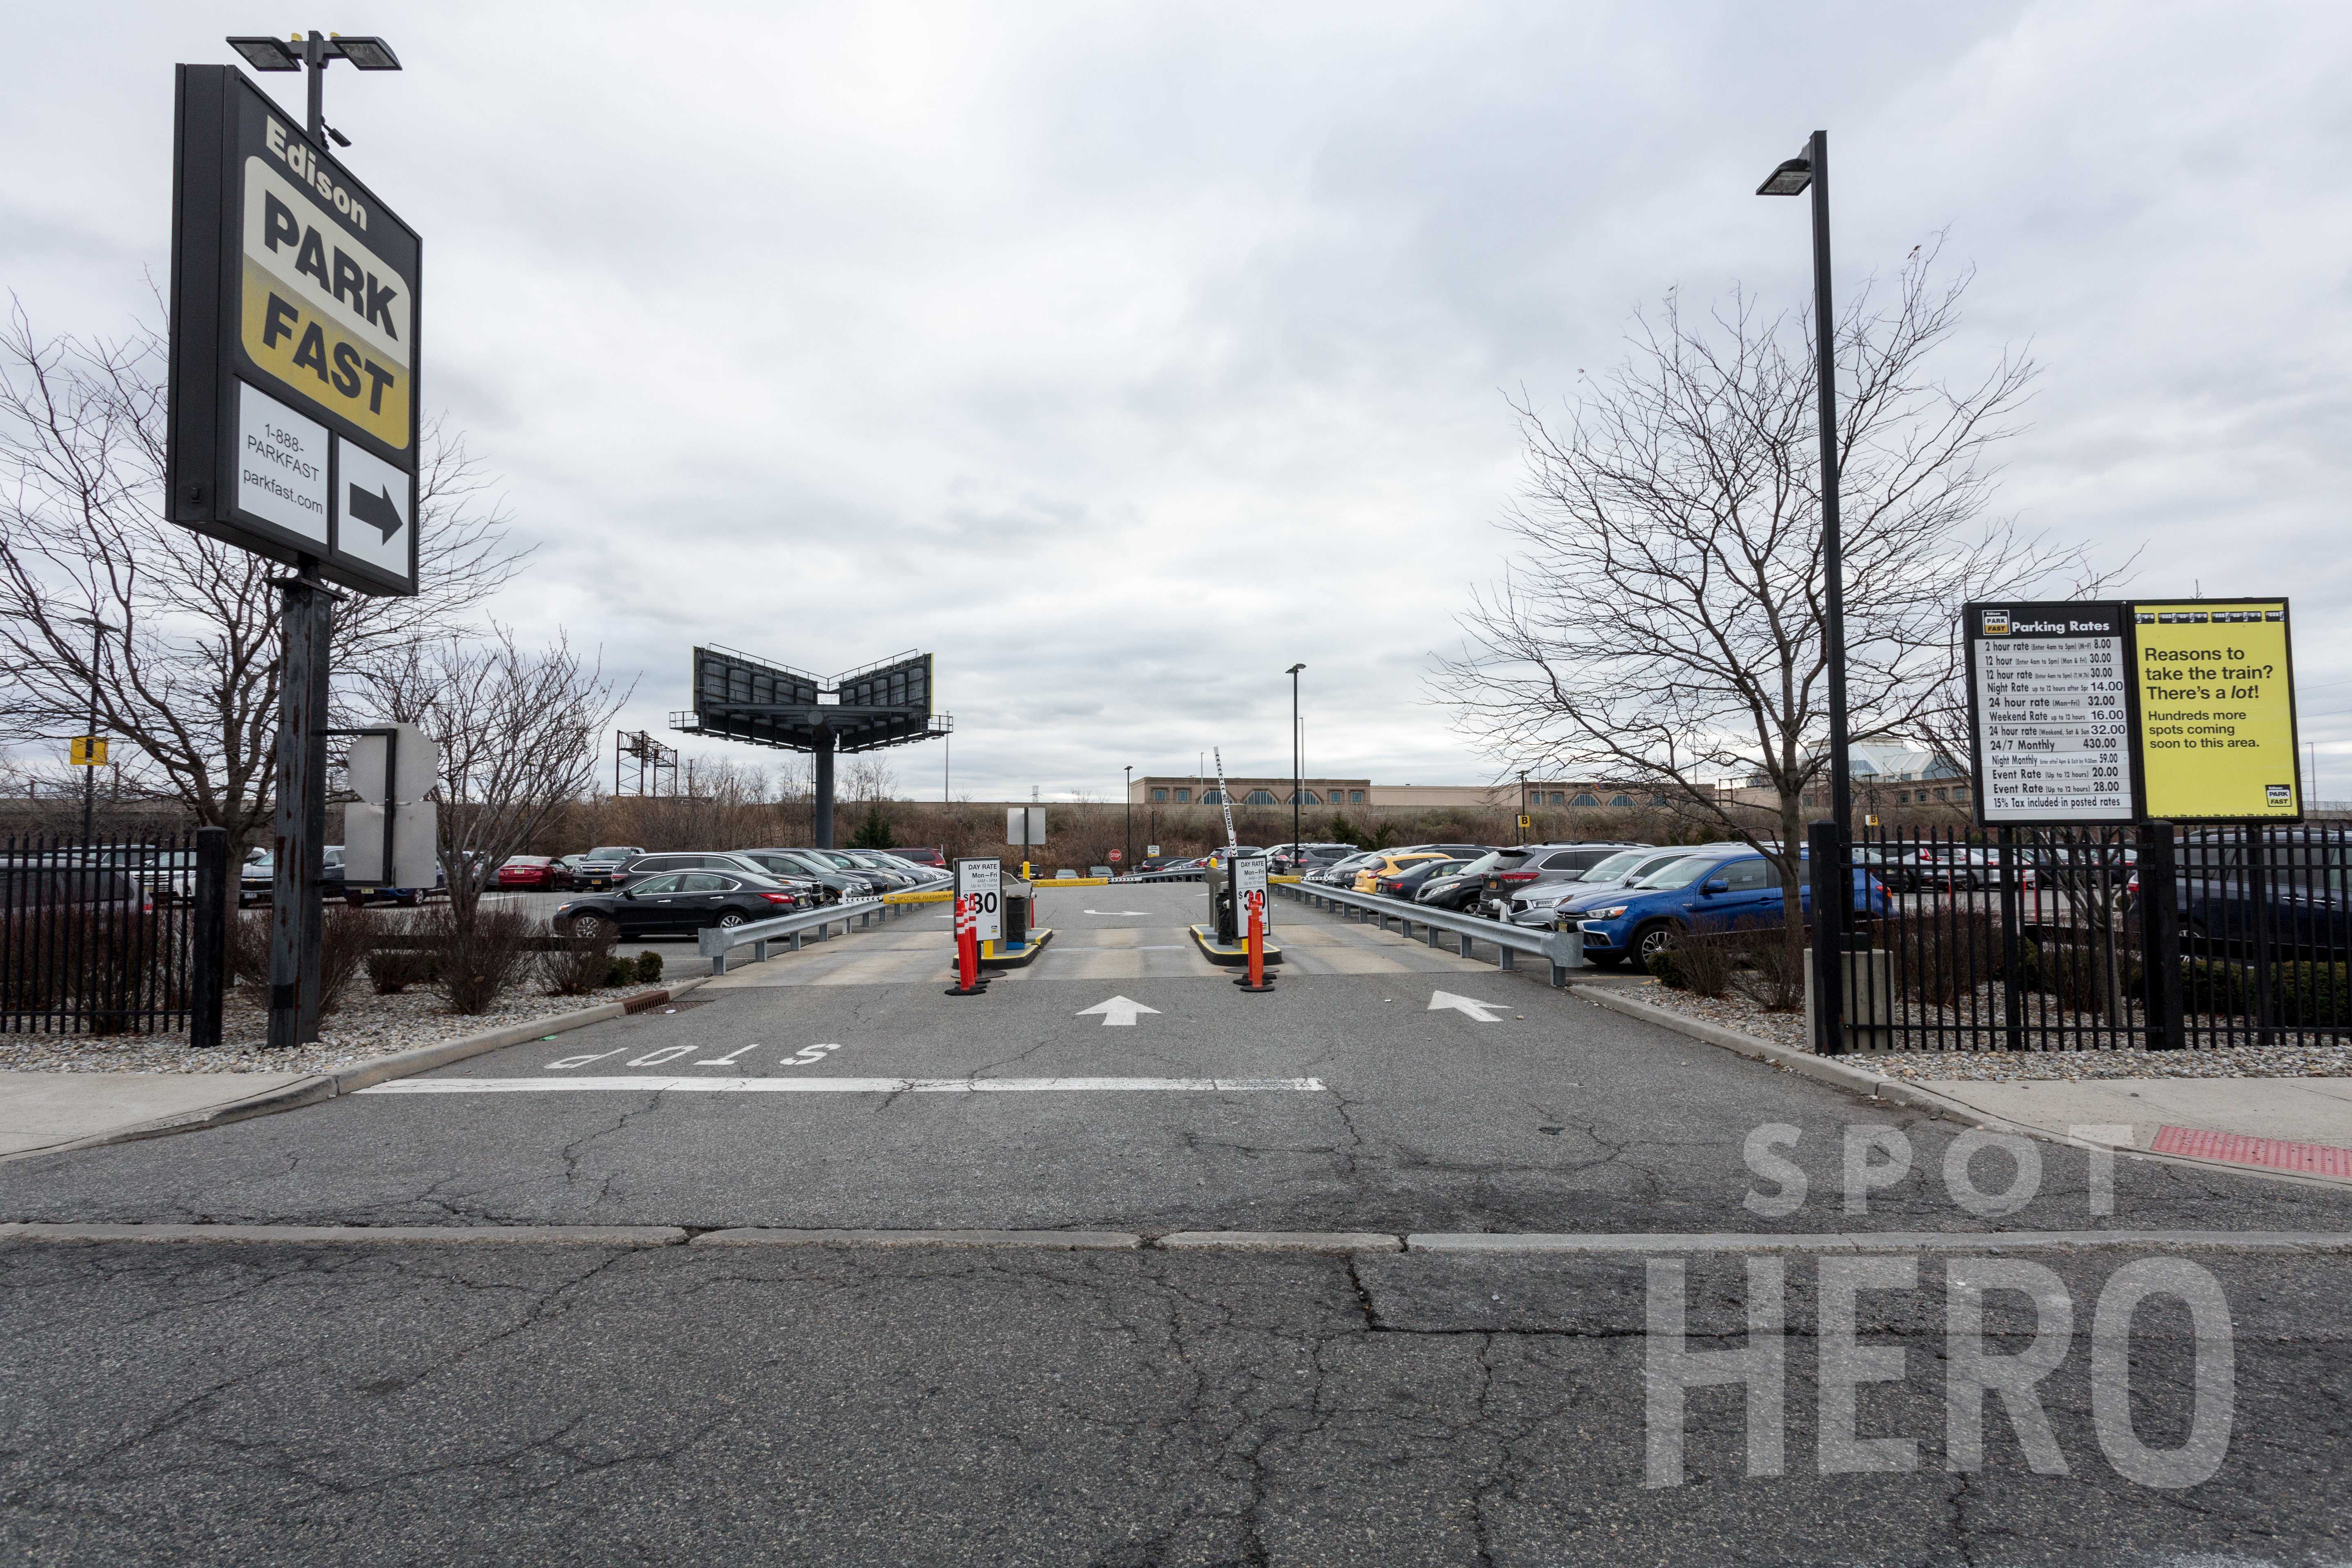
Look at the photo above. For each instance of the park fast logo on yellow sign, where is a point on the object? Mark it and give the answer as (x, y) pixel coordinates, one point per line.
(2217, 711)
(320, 311)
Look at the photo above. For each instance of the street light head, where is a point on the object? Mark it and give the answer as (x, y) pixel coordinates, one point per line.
(267, 54)
(368, 54)
(1294, 669)
(1789, 179)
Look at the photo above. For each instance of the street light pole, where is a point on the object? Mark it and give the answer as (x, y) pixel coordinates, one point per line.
(1298, 763)
(1797, 174)
(90, 735)
(1130, 817)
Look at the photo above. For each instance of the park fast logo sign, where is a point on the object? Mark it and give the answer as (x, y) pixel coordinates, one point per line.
(294, 413)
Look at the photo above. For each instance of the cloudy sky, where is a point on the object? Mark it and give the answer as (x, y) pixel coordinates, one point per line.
(1122, 356)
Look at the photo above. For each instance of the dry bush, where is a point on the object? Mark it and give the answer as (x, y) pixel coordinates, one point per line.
(1767, 972)
(576, 966)
(1701, 965)
(248, 947)
(345, 940)
(480, 964)
(405, 953)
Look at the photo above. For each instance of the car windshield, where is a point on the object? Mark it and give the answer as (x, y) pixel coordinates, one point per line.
(1643, 875)
(1617, 865)
(1483, 864)
(1682, 873)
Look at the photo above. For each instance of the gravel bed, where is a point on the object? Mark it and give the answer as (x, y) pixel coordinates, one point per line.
(2000, 1067)
(365, 1027)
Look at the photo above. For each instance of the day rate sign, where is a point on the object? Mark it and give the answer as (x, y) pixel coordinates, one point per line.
(293, 426)
(2112, 712)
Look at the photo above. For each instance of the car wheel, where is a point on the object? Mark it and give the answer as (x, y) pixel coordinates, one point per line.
(730, 919)
(592, 928)
(1653, 940)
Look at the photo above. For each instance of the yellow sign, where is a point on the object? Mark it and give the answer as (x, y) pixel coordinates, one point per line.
(87, 752)
(2217, 738)
(1526, 821)
(321, 312)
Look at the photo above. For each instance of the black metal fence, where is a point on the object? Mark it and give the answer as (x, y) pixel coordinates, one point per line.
(2094, 939)
(116, 938)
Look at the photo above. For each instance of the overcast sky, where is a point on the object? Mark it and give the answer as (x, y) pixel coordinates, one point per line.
(1122, 356)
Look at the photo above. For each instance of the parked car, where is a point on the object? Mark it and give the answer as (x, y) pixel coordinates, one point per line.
(1545, 863)
(896, 876)
(936, 859)
(1716, 890)
(258, 879)
(1539, 905)
(541, 872)
(1389, 862)
(839, 883)
(1460, 888)
(679, 902)
(30, 885)
(666, 862)
(2296, 908)
(1296, 859)
(1406, 883)
(1215, 860)
(1342, 873)
(600, 865)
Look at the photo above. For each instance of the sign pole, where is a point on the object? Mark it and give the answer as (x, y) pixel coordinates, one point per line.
(304, 619)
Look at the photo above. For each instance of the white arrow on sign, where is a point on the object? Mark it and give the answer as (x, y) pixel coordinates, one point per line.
(1478, 1010)
(1118, 1012)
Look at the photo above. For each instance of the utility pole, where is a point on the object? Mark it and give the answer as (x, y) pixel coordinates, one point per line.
(1297, 764)
(1130, 863)
(90, 733)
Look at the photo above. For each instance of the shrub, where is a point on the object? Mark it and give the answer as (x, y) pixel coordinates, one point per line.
(1940, 960)
(575, 966)
(346, 938)
(874, 833)
(2311, 995)
(248, 947)
(2088, 978)
(649, 967)
(1766, 972)
(1698, 965)
(480, 964)
(406, 954)
(2216, 986)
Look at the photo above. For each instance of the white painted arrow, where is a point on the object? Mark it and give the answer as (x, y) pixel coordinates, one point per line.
(1442, 999)
(1119, 1011)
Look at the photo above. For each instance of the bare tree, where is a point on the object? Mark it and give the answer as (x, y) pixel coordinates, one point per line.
(517, 732)
(176, 635)
(1662, 623)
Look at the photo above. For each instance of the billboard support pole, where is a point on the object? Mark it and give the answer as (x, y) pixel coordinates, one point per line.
(304, 621)
(824, 828)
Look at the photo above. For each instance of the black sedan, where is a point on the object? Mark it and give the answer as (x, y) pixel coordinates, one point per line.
(680, 902)
(1409, 882)
(1458, 890)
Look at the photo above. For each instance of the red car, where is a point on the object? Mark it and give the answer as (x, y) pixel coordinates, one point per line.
(540, 871)
(921, 857)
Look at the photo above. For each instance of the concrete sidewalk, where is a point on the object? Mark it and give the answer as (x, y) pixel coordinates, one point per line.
(2296, 1110)
(44, 1110)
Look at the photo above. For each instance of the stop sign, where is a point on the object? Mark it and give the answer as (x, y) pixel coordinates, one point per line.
(1114, 856)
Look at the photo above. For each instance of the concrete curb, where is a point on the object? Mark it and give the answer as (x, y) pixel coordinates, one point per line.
(321, 1087)
(1061, 1240)
(1280, 1241)
(315, 1235)
(1887, 1089)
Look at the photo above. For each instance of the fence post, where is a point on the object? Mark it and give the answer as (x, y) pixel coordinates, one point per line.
(2258, 900)
(2159, 938)
(2012, 946)
(1825, 853)
(208, 940)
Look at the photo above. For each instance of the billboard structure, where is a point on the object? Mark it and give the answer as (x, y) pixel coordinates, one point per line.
(739, 698)
(2111, 711)
(294, 414)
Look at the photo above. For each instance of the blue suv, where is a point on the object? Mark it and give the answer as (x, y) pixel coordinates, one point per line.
(1709, 890)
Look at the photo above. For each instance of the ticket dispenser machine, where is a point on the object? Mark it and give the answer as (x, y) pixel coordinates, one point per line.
(1224, 935)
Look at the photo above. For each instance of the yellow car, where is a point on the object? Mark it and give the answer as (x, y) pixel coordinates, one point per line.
(1390, 865)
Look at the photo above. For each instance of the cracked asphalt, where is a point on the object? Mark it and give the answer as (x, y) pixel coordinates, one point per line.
(210, 1402)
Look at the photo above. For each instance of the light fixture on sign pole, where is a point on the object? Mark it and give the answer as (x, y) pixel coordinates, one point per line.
(1298, 785)
(311, 52)
(1811, 171)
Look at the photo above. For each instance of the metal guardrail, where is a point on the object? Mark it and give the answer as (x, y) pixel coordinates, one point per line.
(719, 944)
(1159, 876)
(1562, 950)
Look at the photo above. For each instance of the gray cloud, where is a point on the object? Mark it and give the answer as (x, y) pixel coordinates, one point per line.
(1124, 355)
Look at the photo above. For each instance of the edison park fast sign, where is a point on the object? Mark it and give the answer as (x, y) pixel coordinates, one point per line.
(293, 428)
